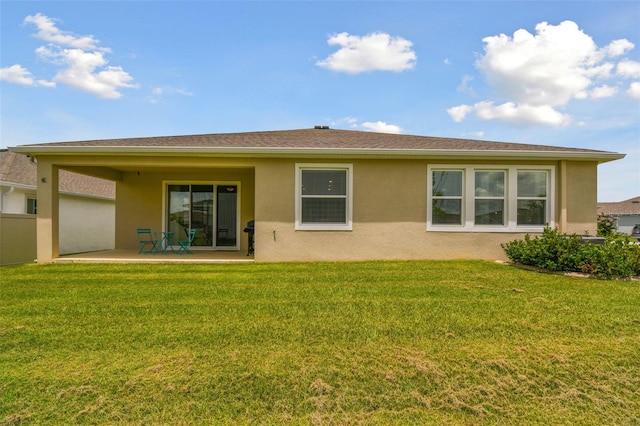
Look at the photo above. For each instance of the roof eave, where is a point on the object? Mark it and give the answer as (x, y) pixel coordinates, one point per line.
(600, 156)
(27, 187)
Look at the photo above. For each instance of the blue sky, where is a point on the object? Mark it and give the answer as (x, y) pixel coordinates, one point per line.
(553, 73)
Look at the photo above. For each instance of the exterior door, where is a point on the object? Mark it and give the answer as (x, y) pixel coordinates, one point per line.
(210, 209)
(227, 215)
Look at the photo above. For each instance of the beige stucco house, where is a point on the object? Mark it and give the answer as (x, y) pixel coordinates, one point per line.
(325, 194)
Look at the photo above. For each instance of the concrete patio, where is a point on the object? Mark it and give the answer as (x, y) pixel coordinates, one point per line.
(132, 256)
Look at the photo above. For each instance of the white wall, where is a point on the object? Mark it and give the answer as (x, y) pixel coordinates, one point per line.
(625, 223)
(86, 224)
(15, 202)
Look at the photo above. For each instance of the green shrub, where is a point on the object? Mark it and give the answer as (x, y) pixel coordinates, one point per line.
(619, 256)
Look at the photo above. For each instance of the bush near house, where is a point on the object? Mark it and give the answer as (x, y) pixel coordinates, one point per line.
(618, 257)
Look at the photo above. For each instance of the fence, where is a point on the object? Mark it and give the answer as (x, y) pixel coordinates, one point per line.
(17, 238)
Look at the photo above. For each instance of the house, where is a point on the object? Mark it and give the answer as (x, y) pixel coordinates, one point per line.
(626, 213)
(86, 211)
(327, 194)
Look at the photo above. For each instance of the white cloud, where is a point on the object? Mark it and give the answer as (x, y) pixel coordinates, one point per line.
(603, 92)
(521, 114)
(628, 68)
(617, 48)
(19, 75)
(548, 68)
(158, 93)
(479, 134)
(81, 71)
(378, 126)
(372, 52)
(458, 113)
(536, 74)
(81, 61)
(465, 86)
(381, 127)
(634, 90)
(48, 31)
(348, 121)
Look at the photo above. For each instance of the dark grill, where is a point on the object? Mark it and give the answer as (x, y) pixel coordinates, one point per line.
(249, 229)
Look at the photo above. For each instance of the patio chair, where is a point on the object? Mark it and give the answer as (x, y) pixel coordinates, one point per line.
(185, 244)
(146, 239)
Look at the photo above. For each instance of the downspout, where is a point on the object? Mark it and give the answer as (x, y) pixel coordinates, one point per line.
(562, 225)
(5, 193)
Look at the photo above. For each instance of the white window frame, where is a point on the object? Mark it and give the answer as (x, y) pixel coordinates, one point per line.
(511, 198)
(348, 224)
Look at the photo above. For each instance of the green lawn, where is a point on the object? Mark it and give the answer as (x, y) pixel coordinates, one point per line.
(316, 343)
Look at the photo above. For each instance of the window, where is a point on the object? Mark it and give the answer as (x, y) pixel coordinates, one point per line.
(490, 198)
(532, 197)
(323, 197)
(32, 205)
(447, 196)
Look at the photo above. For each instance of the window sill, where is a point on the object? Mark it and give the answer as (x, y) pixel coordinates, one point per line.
(324, 227)
(486, 229)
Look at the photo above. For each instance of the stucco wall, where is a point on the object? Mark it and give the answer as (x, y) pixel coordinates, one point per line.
(405, 240)
(389, 206)
(581, 198)
(389, 216)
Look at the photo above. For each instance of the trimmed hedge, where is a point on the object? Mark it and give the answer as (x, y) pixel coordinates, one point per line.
(618, 257)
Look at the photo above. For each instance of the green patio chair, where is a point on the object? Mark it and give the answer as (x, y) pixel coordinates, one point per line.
(185, 244)
(146, 239)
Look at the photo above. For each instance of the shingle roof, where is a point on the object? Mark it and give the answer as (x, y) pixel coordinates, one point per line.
(630, 207)
(313, 138)
(17, 169)
(317, 143)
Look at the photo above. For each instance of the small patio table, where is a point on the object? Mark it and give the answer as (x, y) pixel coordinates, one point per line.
(165, 239)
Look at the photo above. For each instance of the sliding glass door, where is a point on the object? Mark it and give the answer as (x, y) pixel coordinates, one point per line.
(226, 217)
(210, 209)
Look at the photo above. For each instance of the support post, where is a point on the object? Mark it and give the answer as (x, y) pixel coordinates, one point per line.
(48, 247)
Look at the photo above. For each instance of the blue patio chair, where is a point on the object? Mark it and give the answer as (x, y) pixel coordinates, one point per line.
(185, 244)
(146, 239)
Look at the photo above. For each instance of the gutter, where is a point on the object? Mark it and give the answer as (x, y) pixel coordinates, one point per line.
(14, 186)
(600, 156)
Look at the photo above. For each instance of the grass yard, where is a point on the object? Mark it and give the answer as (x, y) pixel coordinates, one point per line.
(316, 343)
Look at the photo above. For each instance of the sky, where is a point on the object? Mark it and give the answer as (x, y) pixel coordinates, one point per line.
(544, 72)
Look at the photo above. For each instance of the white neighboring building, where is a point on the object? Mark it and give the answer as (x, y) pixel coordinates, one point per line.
(626, 213)
(87, 205)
